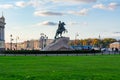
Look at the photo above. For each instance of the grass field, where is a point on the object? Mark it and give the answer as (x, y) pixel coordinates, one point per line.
(105, 67)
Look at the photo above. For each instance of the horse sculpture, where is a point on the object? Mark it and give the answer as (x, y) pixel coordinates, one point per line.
(60, 30)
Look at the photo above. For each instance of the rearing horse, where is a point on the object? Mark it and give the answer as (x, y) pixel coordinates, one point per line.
(60, 30)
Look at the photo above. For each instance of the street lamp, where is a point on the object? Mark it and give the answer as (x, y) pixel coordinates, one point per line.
(76, 35)
(16, 41)
(100, 45)
(28, 45)
(11, 39)
(43, 40)
(119, 45)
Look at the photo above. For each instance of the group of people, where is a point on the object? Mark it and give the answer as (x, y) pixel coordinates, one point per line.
(115, 49)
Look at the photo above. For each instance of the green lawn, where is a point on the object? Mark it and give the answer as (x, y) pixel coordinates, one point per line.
(105, 67)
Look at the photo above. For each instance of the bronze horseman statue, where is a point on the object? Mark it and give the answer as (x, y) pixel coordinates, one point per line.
(59, 43)
(60, 30)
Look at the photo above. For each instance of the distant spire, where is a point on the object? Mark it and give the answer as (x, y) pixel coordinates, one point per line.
(3, 19)
(2, 13)
(99, 36)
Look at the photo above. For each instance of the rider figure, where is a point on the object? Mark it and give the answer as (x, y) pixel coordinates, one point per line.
(61, 26)
(60, 29)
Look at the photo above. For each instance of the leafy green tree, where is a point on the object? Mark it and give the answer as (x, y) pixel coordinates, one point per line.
(107, 41)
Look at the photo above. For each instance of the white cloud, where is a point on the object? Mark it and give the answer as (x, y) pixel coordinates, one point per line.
(113, 6)
(21, 4)
(116, 32)
(84, 23)
(6, 6)
(99, 6)
(82, 12)
(47, 13)
(75, 1)
(110, 6)
(73, 23)
(34, 3)
(47, 23)
(85, 1)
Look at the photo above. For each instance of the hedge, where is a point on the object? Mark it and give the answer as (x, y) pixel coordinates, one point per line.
(49, 52)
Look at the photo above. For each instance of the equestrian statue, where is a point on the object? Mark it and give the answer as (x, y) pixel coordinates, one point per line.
(60, 30)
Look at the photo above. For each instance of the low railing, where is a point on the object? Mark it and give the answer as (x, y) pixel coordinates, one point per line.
(56, 53)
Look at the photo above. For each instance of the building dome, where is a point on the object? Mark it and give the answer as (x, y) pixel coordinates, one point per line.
(2, 19)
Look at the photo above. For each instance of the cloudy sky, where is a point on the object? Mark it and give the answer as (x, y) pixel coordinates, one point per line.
(88, 18)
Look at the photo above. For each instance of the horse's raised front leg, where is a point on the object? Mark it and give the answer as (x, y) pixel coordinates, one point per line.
(56, 35)
(61, 35)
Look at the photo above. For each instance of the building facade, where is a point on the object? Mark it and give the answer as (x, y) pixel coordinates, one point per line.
(2, 33)
(27, 45)
(115, 45)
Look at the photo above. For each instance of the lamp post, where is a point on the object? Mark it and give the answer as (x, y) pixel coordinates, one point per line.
(16, 41)
(11, 39)
(119, 44)
(43, 40)
(76, 35)
(99, 42)
(28, 45)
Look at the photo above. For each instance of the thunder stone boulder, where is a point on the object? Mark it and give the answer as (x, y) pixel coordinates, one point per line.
(60, 44)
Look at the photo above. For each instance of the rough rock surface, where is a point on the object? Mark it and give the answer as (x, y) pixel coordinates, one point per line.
(60, 44)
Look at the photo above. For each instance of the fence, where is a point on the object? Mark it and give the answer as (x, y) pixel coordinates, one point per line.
(57, 53)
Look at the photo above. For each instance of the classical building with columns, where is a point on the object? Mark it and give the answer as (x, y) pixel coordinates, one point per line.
(2, 33)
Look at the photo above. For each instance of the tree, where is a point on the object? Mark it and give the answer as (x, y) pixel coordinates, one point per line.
(94, 42)
(107, 41)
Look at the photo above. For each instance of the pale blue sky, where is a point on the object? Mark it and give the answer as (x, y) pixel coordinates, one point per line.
(89, 18)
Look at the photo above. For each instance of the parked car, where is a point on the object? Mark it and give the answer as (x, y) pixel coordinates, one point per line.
(96, 48)
(103, 49)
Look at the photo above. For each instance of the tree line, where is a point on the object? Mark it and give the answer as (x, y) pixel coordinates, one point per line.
(95, 42)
